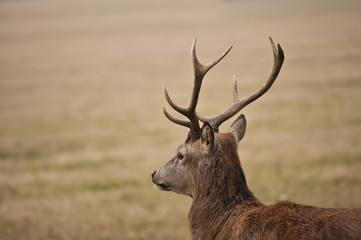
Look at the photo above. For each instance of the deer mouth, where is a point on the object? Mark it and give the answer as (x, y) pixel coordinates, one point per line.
(162, 186)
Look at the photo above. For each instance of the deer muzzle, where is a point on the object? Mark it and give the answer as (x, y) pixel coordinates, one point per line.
(158, 182)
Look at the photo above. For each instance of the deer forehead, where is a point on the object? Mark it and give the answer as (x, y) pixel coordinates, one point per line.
(183, 148)
(189, 149)
(195, 149)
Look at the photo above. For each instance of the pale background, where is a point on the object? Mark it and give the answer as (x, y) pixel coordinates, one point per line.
(81, 122)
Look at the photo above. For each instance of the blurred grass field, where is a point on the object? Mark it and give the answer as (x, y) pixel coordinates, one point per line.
(81, 122)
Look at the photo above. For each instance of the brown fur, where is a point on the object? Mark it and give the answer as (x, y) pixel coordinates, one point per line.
(224, 208)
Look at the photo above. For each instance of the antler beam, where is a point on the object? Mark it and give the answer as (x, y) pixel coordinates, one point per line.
(200, 71)
(238, 105)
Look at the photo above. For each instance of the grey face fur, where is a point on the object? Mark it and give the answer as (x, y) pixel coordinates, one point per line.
(184, 171)
(176, 174)
(180, 174)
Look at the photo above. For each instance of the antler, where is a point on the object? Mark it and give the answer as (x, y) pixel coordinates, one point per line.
(239, 105)
(200, 71)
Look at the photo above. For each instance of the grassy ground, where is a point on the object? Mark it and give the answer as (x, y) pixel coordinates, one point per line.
(81, 123)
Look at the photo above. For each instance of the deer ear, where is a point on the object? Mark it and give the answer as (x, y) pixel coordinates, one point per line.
(207, 135)
(238, 127)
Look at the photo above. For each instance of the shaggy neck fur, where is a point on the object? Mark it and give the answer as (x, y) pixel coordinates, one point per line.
(222, 188)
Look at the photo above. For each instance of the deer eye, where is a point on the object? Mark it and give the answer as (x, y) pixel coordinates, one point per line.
(180, 156)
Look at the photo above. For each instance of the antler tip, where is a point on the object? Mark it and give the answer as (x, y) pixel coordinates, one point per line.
(280, 52)
(166, 95)
(271, 40)
(273, 46)
(226, 52)
(277, 51)
(235, 90)
(194, 44)
(165, 111)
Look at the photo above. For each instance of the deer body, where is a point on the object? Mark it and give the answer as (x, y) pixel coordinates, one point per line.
(207, 168)
(224, 208)
(284, 220)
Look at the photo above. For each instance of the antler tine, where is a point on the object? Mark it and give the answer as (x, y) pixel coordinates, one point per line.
(237, 106)
(189, 112)
(177, 121)
(200, 71)
(235, 91)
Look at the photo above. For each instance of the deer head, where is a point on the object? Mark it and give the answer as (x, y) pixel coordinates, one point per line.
(208, 158)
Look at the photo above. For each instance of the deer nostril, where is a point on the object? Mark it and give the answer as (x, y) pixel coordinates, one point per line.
(153, 173)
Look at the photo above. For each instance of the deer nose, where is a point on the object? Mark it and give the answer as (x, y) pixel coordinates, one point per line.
(153, 173)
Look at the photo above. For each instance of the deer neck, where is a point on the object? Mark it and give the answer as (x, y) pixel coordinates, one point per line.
(212, 211)
(223, 179)
(221, 189)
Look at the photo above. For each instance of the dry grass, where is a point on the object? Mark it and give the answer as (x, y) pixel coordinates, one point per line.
(81, 108)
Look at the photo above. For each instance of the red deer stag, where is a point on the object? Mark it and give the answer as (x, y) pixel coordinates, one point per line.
(207, 168)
